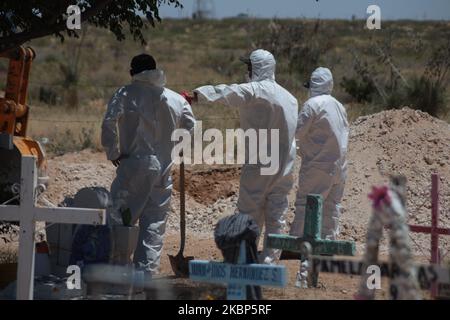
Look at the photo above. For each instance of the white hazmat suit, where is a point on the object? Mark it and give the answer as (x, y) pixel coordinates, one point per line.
(137, 129)
(263, 104)
(322, 134)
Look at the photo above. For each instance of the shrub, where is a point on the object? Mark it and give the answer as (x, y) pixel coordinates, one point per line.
(362, 91)
(426, 95)
(298, 46)
(392, 89)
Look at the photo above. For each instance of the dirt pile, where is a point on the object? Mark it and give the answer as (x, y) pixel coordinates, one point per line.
(406, 142)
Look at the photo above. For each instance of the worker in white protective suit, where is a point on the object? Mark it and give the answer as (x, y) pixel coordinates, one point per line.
(322, 134)
(263, 104)
(136, 135)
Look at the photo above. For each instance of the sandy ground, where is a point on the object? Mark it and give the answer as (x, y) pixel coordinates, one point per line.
(393, 142)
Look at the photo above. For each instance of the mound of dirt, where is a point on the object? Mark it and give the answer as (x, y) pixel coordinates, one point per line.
(406, 142)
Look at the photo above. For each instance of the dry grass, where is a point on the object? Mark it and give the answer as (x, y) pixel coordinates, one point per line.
(61, 130)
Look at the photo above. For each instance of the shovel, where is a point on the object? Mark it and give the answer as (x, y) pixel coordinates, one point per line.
(180, 263)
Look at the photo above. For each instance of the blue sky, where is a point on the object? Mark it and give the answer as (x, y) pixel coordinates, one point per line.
(326, 9)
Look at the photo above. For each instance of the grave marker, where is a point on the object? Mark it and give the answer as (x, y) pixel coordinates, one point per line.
(238, 276)
(435, 231)
(427, 275)
(293, 246)
(389, 209)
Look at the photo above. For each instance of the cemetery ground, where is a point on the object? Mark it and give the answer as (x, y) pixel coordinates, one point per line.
(402, 141)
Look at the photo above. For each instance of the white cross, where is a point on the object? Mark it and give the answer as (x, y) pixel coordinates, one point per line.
(27, 214)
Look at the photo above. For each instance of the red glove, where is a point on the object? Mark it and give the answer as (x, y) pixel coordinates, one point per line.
(188, 97)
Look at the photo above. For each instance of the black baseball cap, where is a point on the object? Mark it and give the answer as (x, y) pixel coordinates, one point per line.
(141, 63)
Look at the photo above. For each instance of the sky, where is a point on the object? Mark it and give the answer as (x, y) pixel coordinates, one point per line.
(325, 9)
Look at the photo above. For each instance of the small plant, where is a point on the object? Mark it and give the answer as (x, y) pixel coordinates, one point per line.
(62, 143)
(86, 138)
(48, 95)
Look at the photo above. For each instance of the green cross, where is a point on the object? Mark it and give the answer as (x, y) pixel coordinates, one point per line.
(312, 234)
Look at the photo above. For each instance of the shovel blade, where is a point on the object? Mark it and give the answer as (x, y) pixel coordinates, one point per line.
(180, 265)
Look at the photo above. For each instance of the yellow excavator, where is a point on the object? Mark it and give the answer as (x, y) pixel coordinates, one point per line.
(14, 113)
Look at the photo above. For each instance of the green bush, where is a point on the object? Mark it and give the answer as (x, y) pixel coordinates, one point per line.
(427, 96)
(362, 91)
(388, 87)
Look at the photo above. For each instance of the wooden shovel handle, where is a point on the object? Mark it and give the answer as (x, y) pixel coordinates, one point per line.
(182, 209)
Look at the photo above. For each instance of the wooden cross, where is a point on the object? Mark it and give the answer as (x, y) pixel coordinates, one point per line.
(434, 230)
(27, 214)
(238, 276)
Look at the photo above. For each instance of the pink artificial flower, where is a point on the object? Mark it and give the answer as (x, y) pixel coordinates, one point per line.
(380, 195)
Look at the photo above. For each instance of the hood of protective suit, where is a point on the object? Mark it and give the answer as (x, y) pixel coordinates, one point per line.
(321, 82)
(263, 65)
(155, 77)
